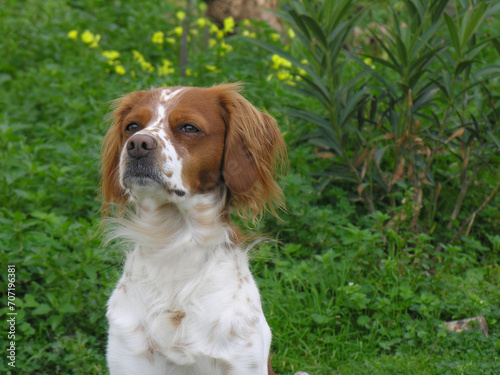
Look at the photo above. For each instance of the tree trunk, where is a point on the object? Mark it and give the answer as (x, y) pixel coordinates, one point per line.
(243, 9)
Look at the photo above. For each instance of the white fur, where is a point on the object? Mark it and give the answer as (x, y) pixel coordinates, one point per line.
(181, 267)
(187, 303)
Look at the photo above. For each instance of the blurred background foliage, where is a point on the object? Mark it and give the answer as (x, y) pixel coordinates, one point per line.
(390, 112)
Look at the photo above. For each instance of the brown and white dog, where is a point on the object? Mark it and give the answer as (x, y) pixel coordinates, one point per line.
(180, 158)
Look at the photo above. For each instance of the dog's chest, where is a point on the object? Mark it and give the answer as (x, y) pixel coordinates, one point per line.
(186, 310)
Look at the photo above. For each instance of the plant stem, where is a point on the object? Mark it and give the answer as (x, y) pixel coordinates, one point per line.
(461, 197)
(470, 220)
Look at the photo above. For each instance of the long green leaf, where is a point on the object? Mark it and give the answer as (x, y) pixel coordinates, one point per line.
(322, 142)
(338, 12)
(437, 9)
(453, 31)
(299, 22)
(315, 29)
(340, 33)
(310, 117)
(473, 18)
(353, 101)
(424, 100)
(388, 50)
(489, 72)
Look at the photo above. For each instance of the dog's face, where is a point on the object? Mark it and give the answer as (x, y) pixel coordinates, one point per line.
(170, 144)
(173, 144)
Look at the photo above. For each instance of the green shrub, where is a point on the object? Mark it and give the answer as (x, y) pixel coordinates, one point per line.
(421, 117)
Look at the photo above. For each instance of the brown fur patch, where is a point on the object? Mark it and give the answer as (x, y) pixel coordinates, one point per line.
(222, 365)
(236, 144)
(176, 317)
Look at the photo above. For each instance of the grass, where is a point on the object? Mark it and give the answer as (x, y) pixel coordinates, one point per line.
(344, 292)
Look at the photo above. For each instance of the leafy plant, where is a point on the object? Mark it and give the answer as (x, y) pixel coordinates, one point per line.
(427, 105)
(322, 30)
(434, 68)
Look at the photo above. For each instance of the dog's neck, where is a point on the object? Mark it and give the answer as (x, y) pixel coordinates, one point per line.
(164, 229)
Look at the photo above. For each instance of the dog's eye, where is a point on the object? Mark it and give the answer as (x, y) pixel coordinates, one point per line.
(189, 129)
(132, 127)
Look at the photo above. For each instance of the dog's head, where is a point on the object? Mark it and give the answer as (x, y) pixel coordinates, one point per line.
(170, 144)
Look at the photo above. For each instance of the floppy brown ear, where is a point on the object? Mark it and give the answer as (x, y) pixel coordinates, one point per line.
(112, 145)
(239, 170)
(254, 150)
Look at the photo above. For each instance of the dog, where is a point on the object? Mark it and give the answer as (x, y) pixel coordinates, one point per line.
(175, 162)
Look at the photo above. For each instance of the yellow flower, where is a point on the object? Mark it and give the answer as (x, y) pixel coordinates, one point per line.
(193, 32)
(170, 40)
(226, 47)
(212, 43)
(95, 42)
(166, 68)
(213, 29)
(212, 68)
(276, 61)
(284, 74)
(189, 72)
(275, 37)
(158, 37)
(148, 67)
(249, 34)
(229, 25)
(279, 62)
(201, 22)
(120, 69)
(291, 34)
(180, 15)
(137, 55)
(111, 55)
(246, 22)
(369, 62)
(73, 34)
(178, 30)
(87, 37)
(142, 61)
(302, 72)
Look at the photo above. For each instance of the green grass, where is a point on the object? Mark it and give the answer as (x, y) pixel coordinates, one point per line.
(344, 292)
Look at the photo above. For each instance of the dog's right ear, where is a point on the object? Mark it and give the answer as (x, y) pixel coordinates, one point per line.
(254, 154)
(111, 148)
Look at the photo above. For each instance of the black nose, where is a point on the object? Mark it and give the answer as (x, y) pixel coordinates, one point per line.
(140, 145)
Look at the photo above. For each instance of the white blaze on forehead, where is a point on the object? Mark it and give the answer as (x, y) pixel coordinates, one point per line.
(172, 167)
(158, 128)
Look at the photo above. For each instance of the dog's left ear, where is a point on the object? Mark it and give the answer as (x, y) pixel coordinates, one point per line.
(254, 153)
(112, 145)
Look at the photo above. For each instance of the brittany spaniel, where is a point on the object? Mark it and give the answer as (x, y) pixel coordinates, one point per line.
(175, 162)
